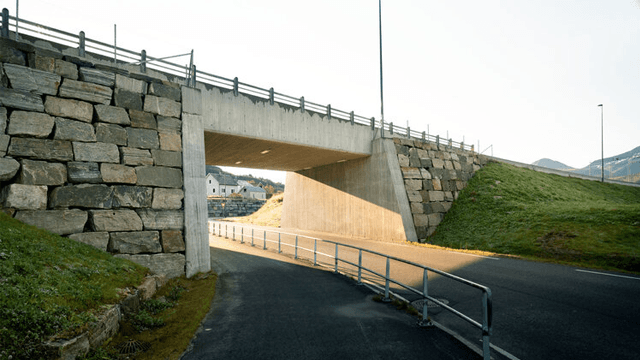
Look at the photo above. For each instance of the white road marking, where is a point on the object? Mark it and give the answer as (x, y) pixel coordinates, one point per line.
(614, 275)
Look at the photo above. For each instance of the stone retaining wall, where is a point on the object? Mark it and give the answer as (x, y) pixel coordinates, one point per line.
(93, 152)
(433, 176)
(233, 207)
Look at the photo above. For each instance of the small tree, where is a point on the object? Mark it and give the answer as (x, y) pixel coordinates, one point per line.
(269, 189)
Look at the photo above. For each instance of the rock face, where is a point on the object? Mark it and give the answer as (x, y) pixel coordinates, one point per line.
(93, 152)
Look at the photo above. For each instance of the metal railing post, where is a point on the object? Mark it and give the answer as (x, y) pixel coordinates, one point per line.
(351, 118)
(279, 250)
(424, 136)
(143, 61)
(373, 123)
(295, 256)
(360, 267)
(329, 111)
(242, 235)
(391, 128)
(425, 306)
(251, 237)
(315, 250)
(336, 260)
(234, 233)
(193, 76)
(226, 231)
(302, 103)
(81, 43)
(5, 23)
(386, 283)
(264, 241)
(235, 86)
(486, 324)
(271, 97)
(381, 128)
(438, 141)
(408, 132)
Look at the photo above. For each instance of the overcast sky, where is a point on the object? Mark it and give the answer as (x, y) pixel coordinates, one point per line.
(523, 76)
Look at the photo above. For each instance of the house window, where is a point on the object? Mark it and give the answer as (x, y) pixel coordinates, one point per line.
(224, 190)
(209, 181)
(232, 191)
(214, 191)
(245, 190)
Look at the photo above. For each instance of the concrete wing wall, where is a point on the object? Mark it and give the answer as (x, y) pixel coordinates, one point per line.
(361, 198)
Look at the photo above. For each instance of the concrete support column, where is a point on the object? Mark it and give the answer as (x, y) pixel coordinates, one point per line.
(195, 192)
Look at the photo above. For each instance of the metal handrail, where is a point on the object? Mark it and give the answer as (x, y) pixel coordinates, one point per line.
(189, 72)
(487, 302)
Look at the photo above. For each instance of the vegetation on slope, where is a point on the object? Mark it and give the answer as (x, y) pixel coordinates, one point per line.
(269, 214)
(52, 285)
(510, 210)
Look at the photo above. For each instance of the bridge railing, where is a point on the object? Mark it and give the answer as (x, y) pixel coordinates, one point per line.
(189, 74)
(353, 256)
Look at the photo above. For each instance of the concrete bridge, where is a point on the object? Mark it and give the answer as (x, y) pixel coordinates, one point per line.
(113, 154)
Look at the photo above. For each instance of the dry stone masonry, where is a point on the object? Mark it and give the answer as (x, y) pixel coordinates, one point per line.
(433, 177)
(232, 207)
(94, 153)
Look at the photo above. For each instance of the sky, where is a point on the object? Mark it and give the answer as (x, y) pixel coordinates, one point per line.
(523, 79)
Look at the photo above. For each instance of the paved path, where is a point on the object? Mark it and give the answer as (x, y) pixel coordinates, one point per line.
(541, 311)
(268, 306)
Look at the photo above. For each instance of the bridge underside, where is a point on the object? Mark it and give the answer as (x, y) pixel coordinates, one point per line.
(232, 150)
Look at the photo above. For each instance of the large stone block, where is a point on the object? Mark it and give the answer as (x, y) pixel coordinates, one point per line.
(133, 156)
(162, 219)
(170, 141)
(142, 138)
(162, 106)
(413, 184)
(81, 90)
(24, 197)
(435, 219)
(66, 69)
(438, 163)
(132, 196)
(90, 196)
(4, 144)
(436, 196)
(112, 115)
(32, 80)
(403, 160)
(41, 149)
(135, 242)
(127, 100)
(417, 208)
(84, 172)
(96, 152)
(141, 119)
(9, 54)
(167, 199)
(167, 158)
(172, 241)
(116, 173)
(420, 220)
(42, 173)
(74, 130)
(111, 133)
(414, 196)
(3, 120)
(159, 176)
(129, 84)
(96, 76)
(411, 173)
(32, 124)
(169, 124)
(99, 240)
(165, 91)
(8, 168)
(73, 109)
(61, 222)
(170, 265)
(115, 220)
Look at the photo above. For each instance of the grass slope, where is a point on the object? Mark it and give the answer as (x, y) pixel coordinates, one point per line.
(269, 214)
(52, 285)
(510, 210)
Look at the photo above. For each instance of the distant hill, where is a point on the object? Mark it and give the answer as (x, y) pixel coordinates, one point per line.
(216, 170)
(620, 167)
(551, 164)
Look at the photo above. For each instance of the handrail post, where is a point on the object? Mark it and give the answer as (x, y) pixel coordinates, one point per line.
(193, 75)
(438, 141)
(81, 44)
(408, 132)
(264, 241)
(360, 267)
(271, 96)
(386, 283)
(329, 111)
(242, 235)
(391, 128)
(143, 61)
(373, 123)
(336, 260)
(424, 136)
(295, 256)
(279, 250)
(302, 104)
(5, 23)
(426, 322)
(486, 324)
(234, 233)
(251, 237)
(235, 86)
(315, 250)
(351, 118)
(382, 128)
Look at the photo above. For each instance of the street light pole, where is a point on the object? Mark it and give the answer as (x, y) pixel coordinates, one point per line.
(602, 139)
(381, 93)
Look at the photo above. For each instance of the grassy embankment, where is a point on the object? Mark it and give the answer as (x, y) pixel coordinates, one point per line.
(515, 211)
(269, 214)
(54, 287)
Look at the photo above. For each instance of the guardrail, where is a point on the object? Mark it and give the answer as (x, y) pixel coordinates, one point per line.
(124, 56)
(237, 231)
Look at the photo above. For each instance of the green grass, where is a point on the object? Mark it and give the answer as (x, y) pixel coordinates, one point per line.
(52, 285)
(510, 210)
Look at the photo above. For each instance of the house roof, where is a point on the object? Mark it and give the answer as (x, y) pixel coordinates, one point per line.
(251, 188)
(224, 179)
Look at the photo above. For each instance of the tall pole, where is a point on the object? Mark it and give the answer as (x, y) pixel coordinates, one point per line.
(602, 139)
(381, 93)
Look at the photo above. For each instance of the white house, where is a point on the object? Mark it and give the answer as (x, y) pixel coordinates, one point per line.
(254, 192)
(220, 185)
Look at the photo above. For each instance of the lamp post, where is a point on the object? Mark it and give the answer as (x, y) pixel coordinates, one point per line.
(381, 93)
(602, 139)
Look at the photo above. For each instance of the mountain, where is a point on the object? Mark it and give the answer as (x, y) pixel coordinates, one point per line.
(216, 170)
(551, 164)
(619, 167)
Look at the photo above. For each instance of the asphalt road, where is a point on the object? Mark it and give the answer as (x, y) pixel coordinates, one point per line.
(541, 311)
(268, 306)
